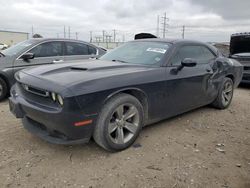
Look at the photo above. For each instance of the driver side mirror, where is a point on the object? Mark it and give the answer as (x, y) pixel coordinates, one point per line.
(187, 62)
(28, 56)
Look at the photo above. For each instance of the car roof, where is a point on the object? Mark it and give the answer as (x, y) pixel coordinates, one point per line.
(37, 40)
(171, 40)
(52, 39)
(179, 41)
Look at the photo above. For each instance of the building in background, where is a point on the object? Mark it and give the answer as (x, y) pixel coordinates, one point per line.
(12, 37)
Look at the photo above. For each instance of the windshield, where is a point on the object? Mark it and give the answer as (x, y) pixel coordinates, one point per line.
(14, 50)
(138, 53)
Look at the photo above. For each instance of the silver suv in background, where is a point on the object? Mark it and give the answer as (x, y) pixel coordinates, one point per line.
(37, 52)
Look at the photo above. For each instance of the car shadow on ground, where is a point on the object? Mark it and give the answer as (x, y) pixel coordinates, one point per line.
(93, 149)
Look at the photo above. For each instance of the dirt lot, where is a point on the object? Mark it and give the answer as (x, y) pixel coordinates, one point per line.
(202, 148)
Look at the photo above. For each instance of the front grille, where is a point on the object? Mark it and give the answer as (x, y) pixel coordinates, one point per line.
(246, 68)
(36, 90)
(36, 96)
(245, 77)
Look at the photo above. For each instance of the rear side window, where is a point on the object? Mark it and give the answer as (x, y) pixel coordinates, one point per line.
(48, 49)
(200, 53)
(74, 48)
(207, 55)
(92, 50)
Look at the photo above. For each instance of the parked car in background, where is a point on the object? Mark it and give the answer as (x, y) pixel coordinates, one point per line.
(3, 46)
(240, 50)
(37, 52)
(112, 98)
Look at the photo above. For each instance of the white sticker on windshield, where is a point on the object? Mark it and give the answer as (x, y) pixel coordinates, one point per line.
(157, 50)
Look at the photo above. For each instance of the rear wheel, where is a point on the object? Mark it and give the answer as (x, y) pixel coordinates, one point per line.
(225, 94)
(119, 123)
(3, 89)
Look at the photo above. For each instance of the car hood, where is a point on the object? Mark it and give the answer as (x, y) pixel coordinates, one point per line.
(5, 61)
(85, 74)
(240, 44)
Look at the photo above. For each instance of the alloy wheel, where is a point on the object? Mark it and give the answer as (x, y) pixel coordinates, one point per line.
(123, 124)
(227, 93)
(1, 90)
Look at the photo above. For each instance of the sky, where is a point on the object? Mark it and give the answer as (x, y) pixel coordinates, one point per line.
(205, 20)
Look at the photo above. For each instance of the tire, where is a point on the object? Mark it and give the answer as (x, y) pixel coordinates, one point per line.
(3, 89)
(225, 94)
(119, 123)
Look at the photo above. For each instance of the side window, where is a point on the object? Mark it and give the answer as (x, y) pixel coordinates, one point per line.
(199, 53)
(92, 50)
(207, 55)
(48, 49)
(73, 48)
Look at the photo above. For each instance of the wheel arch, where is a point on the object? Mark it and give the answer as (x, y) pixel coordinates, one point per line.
(135, 92)
(231, 76)
(5, 79)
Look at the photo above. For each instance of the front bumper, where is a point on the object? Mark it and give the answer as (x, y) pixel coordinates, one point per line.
(246, 75)
(54, 126)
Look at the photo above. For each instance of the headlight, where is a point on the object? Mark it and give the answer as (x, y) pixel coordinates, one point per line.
(53, 95)
(60, 100)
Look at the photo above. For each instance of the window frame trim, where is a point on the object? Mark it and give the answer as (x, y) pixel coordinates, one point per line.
(19, 57)
(189, 44)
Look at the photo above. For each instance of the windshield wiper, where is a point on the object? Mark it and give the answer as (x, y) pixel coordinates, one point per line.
(117, 60)
(1, 54)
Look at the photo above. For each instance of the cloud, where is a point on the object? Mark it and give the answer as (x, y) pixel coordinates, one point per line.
(227, 9)
(204, 20)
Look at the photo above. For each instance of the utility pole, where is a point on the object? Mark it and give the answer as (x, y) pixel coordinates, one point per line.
(91, 37)
(165, 19)
(69, 32)
(64, 31)
(103, 36)
(157, 28)
(183, 31)
(76, 36)
(114, 34)
(32, 31)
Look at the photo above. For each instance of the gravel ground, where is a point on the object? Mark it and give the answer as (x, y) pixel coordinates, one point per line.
(202, 148)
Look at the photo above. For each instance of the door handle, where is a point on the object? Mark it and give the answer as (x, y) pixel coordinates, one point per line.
(208, 70)
(57, 61)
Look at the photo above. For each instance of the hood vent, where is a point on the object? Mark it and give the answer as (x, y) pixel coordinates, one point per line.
(79, 68)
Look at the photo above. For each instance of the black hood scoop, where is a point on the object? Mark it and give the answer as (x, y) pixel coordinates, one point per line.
(79, 68)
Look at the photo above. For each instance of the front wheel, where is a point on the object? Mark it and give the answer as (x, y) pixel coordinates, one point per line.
(119, 123)
(3, 89)
(225, 94)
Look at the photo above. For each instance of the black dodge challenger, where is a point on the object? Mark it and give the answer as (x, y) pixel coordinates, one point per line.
(112, 98)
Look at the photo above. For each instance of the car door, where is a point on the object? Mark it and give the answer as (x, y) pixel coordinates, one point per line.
(45, 53)
(188, 88)
(78, 51)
